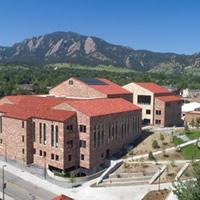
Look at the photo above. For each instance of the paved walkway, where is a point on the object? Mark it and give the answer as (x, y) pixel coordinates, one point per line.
(159, 152)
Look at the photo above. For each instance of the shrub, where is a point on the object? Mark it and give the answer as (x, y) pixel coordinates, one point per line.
(155, 144)
(162, 138)
(151, 156)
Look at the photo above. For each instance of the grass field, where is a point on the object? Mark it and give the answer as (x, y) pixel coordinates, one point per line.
(190, 152)
(109, 68)
(192, 134)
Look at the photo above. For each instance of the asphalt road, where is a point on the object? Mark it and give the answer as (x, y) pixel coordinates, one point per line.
(20, 189)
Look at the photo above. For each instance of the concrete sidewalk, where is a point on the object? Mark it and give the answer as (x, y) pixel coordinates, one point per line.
(37, 181)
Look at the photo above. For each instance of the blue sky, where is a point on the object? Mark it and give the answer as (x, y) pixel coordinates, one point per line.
(157, 25)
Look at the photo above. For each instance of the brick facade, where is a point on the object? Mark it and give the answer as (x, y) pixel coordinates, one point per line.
(27, 134)
(164, 109)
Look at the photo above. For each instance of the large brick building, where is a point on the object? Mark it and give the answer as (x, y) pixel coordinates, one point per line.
(64, 133)
(159, 106)
(90, 88)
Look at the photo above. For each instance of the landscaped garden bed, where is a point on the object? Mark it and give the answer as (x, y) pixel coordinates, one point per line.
(157, 195)
(154, 142)
(136, 167)
(170, 173)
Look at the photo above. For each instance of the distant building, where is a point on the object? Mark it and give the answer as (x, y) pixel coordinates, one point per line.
(173, 90)
(159, 106)
(189, 107)
(191, 93)
(195, 100)
(192, 116)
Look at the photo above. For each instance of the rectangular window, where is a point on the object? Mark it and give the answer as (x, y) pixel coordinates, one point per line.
(70, 144)
(127, 129)
(98, 135)
(56, 136)
(70, 128)
(82, 157)
(52, 156)
(40, 153)
(116, 131)
(34, 151)
(148, 112)
(113, 132)
(109, 133)
(0, 124)
(95, 137)
(44, 154)
(22, 138)
(144, 99)
(1, 141)
(69, 157)
(22, 151)
(83, 128)
(102, 134)
(57, 157)
(44, 134)
(22, 124)
(82, 143)
(33, 131)
(40, 132)
(158, 121)
(52, 135)
(71, 82)
(158, 112)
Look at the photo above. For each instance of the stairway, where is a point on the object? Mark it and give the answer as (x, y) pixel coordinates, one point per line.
(126, 179)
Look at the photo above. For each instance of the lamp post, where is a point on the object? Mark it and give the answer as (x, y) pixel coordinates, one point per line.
(4, 185)
(159, 180)
(45, 172)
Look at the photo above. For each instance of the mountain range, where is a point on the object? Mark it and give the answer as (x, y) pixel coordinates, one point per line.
(70, 47)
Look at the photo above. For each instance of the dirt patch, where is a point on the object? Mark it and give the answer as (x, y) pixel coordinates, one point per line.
(170, 155)
(137, 167)
(188, 174)
(157, 195)
(164, 140)
(170, 173)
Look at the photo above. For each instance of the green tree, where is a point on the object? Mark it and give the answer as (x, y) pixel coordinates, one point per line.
(151, 156)
(189, 190)
(155, 144)
(162, 137)
(192, 123)
(72, 178)
(186, 127)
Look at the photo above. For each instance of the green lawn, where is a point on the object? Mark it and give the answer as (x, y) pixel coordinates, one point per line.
(190, 152)
(193, 134)
(177, 141)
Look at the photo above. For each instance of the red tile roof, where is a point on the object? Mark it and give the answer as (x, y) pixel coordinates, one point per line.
(153, 87)
(169, 98)
(96, 107)
(110, 88)
(62, 197)
(26, 107)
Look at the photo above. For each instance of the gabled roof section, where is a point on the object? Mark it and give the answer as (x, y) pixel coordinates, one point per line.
(62, 197)
(34, 107)
(169, 98)
(97, 107)
(153, 87)
(103, 85)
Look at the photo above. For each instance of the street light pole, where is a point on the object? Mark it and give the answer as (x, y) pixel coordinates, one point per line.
(3, 181)
(159, 180)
